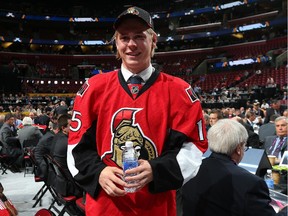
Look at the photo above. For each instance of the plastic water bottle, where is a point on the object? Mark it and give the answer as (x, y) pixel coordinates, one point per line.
(129, 160)
(268, 179)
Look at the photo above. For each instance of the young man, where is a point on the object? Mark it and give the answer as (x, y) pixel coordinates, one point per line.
(161, 115)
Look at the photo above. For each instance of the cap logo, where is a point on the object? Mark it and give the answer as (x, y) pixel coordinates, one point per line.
(132, 10)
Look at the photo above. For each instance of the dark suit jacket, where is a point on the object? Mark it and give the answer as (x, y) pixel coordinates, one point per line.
(266, 130)
(29, 132)
(60, 110)
(42, 148)
(222, 188)
(59, 152)
(43, 120)
(270, 111)
(253, 138)
(10, 142)
(268, 141)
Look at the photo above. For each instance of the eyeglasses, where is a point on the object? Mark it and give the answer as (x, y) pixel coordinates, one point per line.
(246, 148)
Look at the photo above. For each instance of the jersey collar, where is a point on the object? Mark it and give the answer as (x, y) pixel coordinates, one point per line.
(145, 74)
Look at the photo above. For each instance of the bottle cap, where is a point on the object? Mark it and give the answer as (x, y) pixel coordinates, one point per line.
(269, 171)
(128, 144)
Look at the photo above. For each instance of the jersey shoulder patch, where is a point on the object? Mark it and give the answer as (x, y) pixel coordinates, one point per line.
(83, 89)
(191, 94)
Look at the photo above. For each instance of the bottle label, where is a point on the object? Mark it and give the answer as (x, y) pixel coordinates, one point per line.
(129, 164)
(270, 183)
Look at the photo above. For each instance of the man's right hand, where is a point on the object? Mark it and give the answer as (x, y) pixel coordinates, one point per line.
(110, 179)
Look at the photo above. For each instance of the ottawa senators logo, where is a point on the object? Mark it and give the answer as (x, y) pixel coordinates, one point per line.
(124, 129)
(132, 10)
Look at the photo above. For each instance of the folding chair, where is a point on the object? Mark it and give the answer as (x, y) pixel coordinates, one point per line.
(80, 202)
(29, 166)
(45, 187)
(6, 161)
(28, 146)
(3, 163)
(68, 202)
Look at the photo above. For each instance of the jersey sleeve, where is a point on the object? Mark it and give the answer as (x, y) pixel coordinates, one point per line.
(185, 144)
(83, 160)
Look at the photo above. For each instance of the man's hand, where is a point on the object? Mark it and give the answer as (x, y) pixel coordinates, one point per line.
(110, 178)
(143, 175)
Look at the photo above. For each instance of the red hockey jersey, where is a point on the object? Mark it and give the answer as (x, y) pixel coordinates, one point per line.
(164, 122)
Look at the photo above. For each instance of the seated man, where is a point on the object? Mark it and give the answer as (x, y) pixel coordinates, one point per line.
(59, 153)
(10, 143)
(221, 187)
(28, 133)
(42, 148)
(276, 145)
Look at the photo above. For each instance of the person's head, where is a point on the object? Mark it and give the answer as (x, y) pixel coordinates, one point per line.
(228, 137)
(281, 126)
(27, 121)
(2, 118)
(62, 103)
(237, 112)
(214, 116)
(275, 104)
(31, 115)
(256, 105)
(63, 122)
(53, 126)
(9, 119)
(250, 115)
(135, 39)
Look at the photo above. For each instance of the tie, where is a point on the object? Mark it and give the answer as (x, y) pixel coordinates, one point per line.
(276, 147)
(135, 84)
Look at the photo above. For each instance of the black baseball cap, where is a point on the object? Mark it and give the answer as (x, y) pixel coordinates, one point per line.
(134, 12)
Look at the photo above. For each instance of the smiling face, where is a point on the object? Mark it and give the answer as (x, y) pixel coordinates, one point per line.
(134, 44)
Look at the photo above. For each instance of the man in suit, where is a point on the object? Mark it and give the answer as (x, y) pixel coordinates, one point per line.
(61, 109)
(268, 129)
(29, 133)
(277, 144)
(10, 143)
(214, 116)
(221, 187)
(44, 118)
(253, 138)
(250, 117)
(58, 152)
(258, 111)
(275, 108)
(42, 148)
